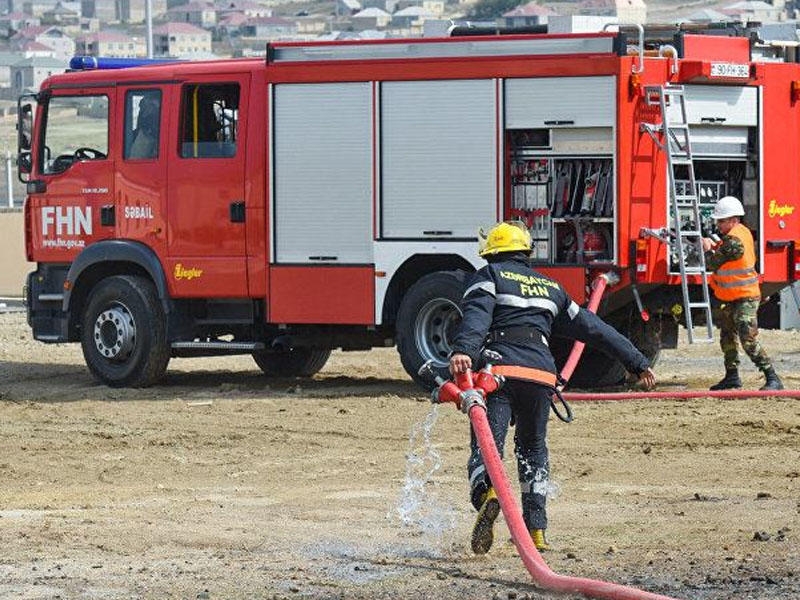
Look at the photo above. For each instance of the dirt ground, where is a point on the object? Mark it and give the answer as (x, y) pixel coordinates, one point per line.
(221, 484)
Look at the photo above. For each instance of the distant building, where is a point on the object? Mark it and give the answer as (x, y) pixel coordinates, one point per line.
(111, 44)
(311, 25)
(27, 75)
(7, 59)
(754, 10)
(120, 11)
(181, 40)
(50, 36)
(371, 18)
(243, 7)
(405, 18)
(347, 7)
(268, 28)
(626, 11)
(14, 21)
(62, 16)
(201, 14)
(527, 15)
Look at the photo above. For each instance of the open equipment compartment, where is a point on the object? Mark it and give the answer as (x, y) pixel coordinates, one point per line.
(565, 196)
(559, 166)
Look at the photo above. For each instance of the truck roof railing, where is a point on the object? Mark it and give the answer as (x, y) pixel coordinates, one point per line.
(92, 63)
(552, 45)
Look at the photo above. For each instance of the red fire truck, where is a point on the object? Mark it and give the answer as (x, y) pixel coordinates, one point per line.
(328, 196)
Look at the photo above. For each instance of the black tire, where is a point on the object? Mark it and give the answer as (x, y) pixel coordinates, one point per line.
(426, 321)
(124, 332)
(297, 362)
(596, 369)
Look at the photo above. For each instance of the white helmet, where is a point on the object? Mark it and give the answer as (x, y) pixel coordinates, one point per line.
(728, 207)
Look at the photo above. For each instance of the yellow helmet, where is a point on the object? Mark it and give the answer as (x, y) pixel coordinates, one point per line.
(509, 236)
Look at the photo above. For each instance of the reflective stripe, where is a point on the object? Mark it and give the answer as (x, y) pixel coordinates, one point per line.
(478, 472)
(486, 286)
(534, 487)
(736, 272)
(511, 300)
(737, 283)
(573, 310)
(526, 373)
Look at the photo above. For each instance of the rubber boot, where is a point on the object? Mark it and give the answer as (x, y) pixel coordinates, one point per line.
(483, 530)
(731, 381)
(539, 540)
(773, 381)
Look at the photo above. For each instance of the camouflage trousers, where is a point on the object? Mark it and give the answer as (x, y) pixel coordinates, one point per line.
(737, 320)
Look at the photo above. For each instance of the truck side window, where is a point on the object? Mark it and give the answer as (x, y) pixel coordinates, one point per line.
(142, 123)
(76, 130)
(209, 120)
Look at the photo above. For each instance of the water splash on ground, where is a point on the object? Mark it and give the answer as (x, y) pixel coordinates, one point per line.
(419, 507)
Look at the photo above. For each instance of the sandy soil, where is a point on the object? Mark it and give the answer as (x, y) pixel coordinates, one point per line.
(222, 484)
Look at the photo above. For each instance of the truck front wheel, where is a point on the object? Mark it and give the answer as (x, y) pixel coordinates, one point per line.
(426, 322)
(123, 333)
(297, 362)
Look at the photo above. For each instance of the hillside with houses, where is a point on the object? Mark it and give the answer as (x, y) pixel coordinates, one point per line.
(38, 37)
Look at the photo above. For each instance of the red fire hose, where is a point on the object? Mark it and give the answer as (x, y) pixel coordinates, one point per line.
(468, 392)
(598, 287)
(541, 573)
(681, 394)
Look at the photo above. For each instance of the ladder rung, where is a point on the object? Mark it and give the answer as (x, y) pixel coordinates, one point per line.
(679, 125)
(683, 198)
(694, 270)
(699, 305)
(690, 232)
(680, 160)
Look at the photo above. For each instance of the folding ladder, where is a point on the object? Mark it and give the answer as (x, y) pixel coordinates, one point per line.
(686, 236)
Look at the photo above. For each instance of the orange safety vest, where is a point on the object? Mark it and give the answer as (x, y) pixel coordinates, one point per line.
(738, 279)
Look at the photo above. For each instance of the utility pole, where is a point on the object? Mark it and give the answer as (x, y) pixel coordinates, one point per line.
(148, 18)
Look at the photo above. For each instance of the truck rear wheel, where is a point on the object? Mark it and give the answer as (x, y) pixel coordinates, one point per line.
(596, 369)
(123, 333)
(426, 322)
(297, 362)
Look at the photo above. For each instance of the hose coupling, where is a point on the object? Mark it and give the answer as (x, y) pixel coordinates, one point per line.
(469, 398)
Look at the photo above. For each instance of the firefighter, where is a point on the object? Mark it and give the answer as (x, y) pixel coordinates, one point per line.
(511, 309)
(735, 283)
(145, 137)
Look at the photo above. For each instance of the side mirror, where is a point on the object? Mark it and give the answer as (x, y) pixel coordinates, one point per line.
(24, 163)
(25, 127)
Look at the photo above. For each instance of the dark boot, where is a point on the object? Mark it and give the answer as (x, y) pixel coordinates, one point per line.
(773, 381)
(731, 381)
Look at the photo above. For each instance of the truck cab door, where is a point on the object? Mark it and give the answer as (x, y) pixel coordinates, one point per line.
(141, 173)
(73, 172)
(206, 188)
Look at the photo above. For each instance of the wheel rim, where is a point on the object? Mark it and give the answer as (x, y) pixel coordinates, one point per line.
(433, 330)
(115, 333)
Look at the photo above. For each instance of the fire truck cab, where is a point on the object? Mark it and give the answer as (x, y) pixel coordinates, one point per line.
(329, 195)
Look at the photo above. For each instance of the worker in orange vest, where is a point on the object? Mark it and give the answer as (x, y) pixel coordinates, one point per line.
(734, 280)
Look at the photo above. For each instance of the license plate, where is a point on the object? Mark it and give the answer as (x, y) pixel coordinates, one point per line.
(730, 70)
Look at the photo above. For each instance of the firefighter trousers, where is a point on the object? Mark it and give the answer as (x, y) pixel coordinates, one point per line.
(529, 403)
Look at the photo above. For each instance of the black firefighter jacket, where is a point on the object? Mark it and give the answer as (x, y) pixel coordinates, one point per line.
(509, 296)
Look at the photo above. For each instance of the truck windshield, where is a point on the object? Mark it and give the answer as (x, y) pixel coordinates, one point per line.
(76, 130)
